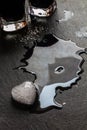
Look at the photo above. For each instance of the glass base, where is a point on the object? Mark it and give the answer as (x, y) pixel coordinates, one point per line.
(8, 25)
(43, 12)
(12, 26)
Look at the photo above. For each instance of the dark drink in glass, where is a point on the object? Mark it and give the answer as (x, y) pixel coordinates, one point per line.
(42, 8)
(41, 3)
(12, 9)
(13, 15)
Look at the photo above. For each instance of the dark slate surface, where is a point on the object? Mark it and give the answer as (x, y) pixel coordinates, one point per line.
(74, 114)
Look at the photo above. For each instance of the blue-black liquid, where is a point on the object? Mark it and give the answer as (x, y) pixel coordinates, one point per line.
(41, 3)
(12, 9)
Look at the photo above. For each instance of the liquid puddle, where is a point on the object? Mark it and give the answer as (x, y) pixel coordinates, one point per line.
(48, 94)
(52, 59)
(43, 57)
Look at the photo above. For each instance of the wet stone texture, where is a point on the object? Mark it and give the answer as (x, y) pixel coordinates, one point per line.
(73, 115)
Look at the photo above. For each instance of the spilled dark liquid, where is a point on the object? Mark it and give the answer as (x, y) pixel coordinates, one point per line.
(27, 55)
(55, 63)
(41, 3)
(12, 9)
(46, 41)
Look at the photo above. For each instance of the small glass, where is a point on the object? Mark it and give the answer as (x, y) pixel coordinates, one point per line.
(42, 8)
(14, 15)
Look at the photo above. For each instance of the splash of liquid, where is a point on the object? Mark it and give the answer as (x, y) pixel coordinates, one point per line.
(43, 56)
(48, 93)
(45, 63)
(65, 79)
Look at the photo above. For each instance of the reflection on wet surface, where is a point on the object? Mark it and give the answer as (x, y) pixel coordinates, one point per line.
(59, 70)
(44, 56)
(56, 63)
(48, 93)
(71, 69)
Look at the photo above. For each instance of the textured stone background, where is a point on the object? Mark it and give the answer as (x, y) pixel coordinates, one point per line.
(74, 114)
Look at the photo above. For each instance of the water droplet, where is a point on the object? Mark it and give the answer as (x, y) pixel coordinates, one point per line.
(59, 69)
